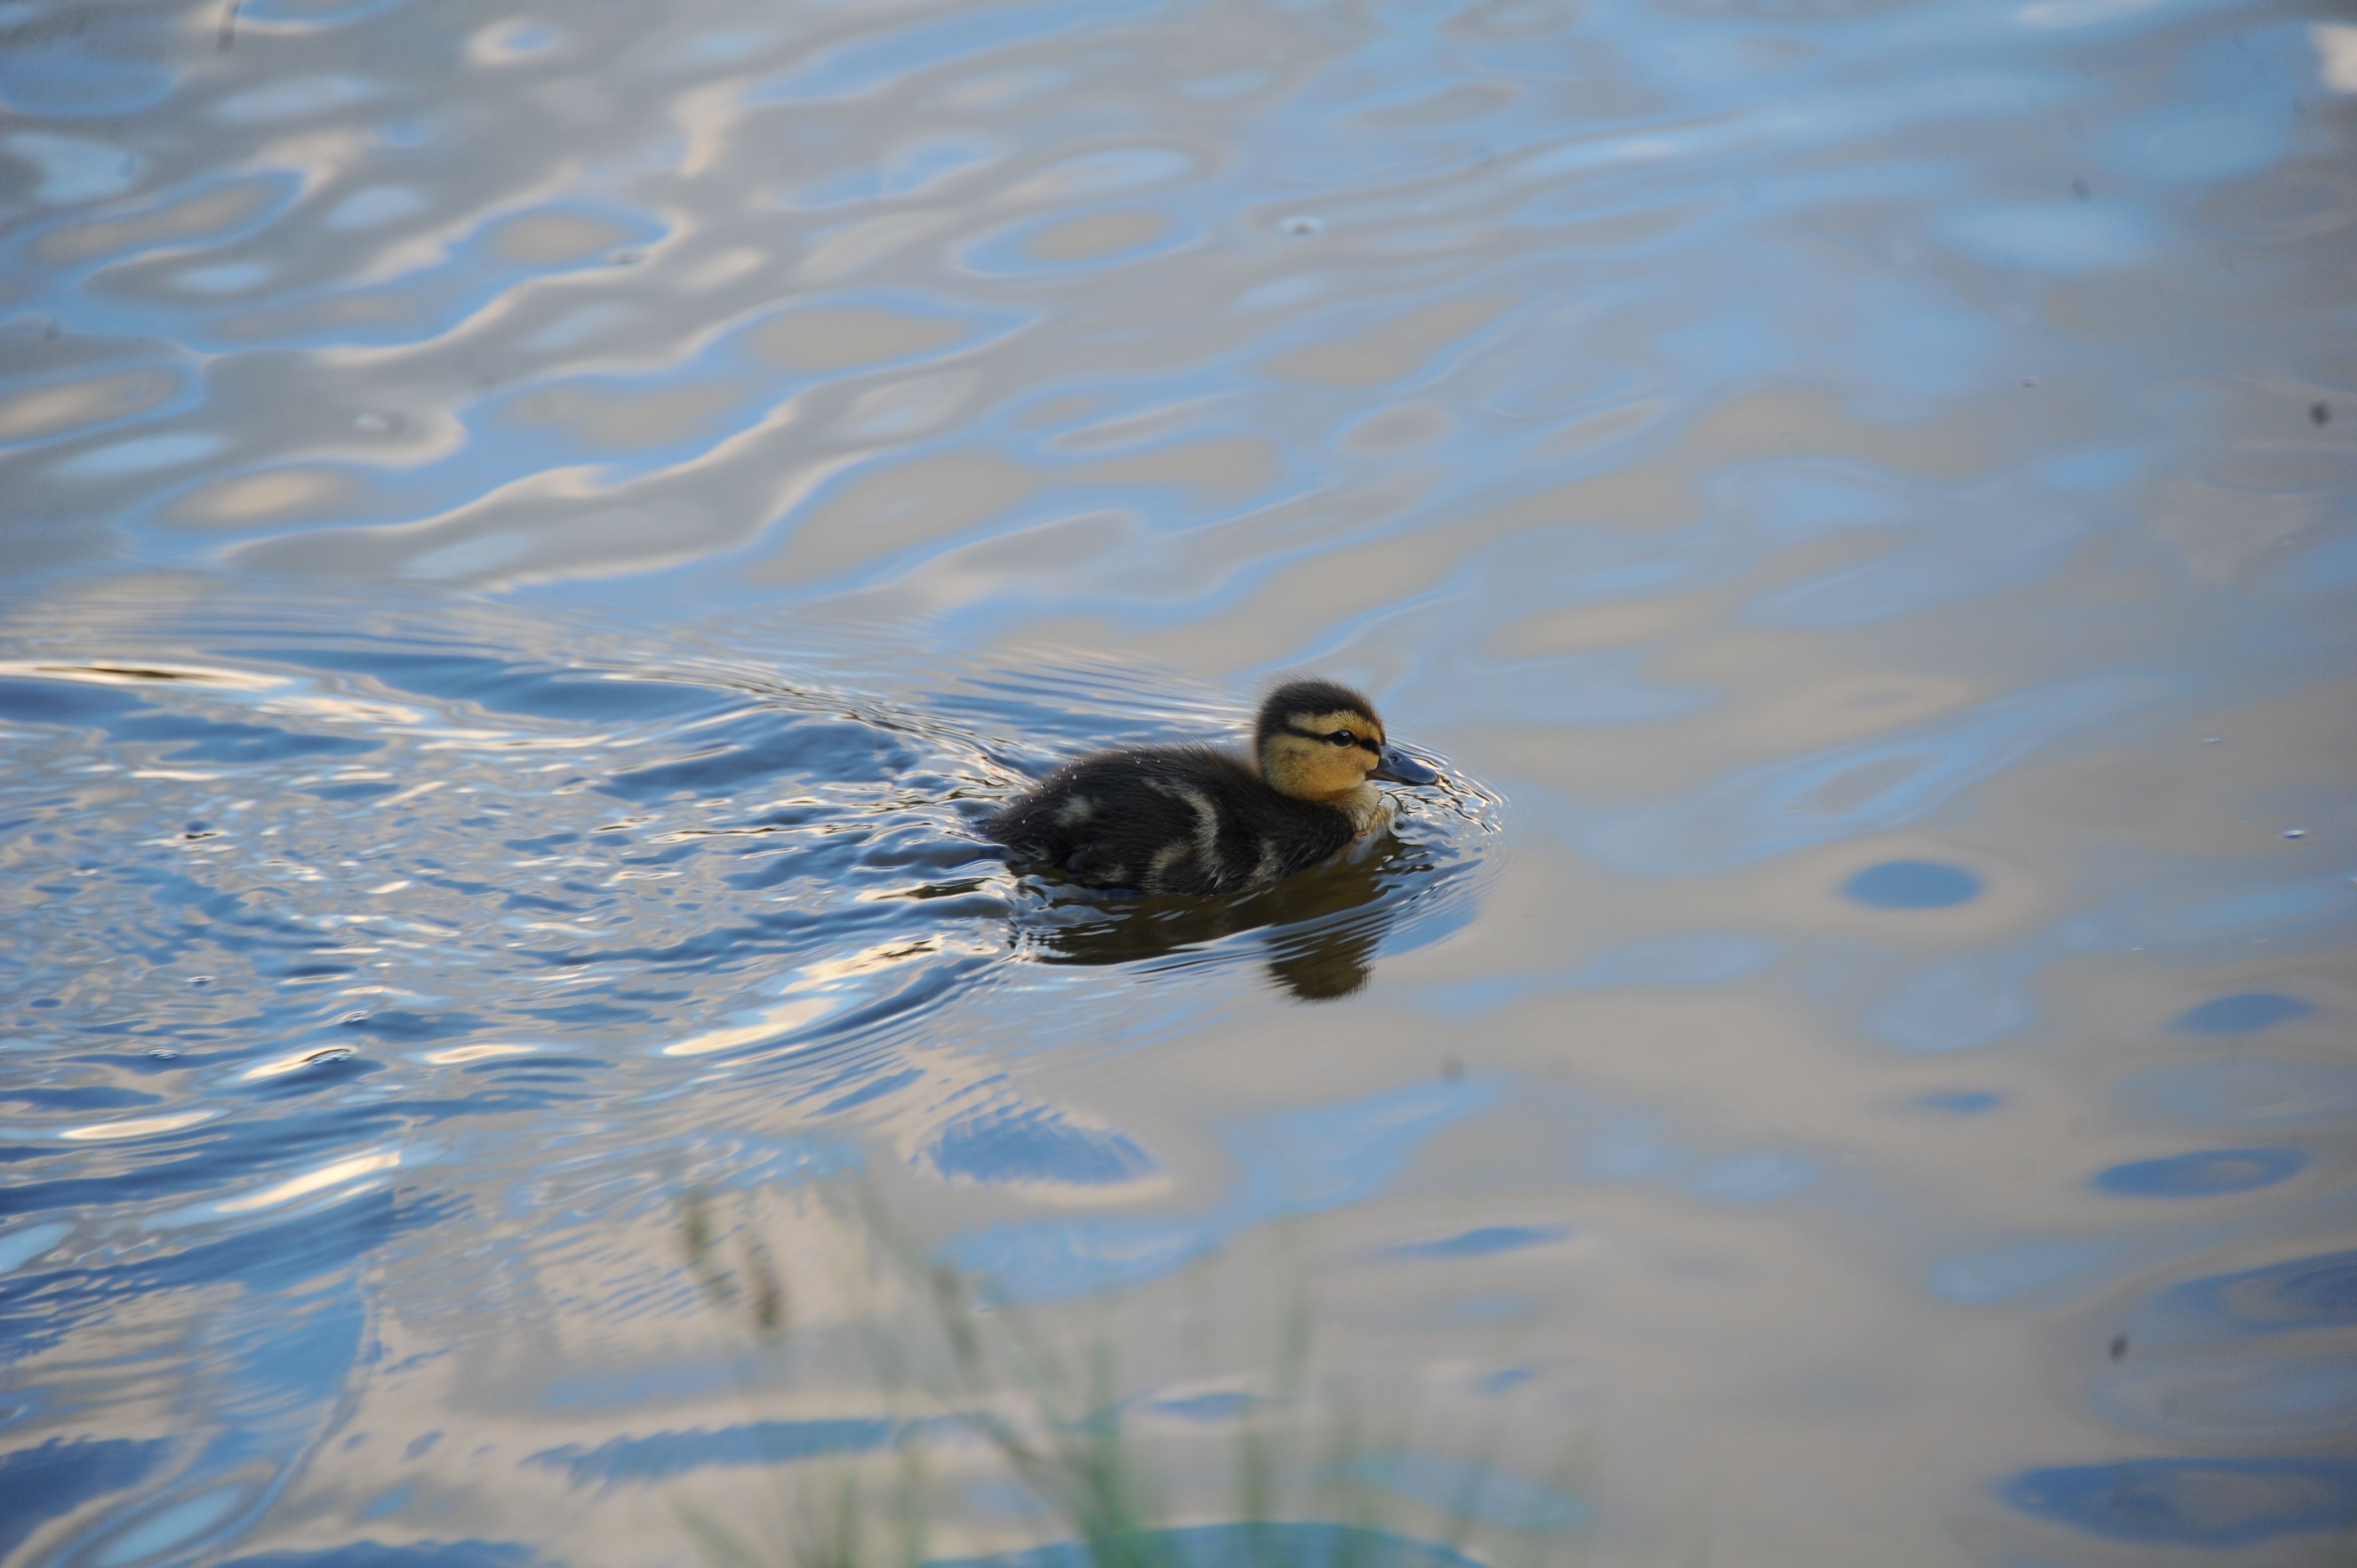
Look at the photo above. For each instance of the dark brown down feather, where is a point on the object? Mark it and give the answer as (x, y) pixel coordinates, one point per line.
(1170, 819)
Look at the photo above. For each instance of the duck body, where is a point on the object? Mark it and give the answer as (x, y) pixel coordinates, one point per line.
(1197, 820)
(1171, 820)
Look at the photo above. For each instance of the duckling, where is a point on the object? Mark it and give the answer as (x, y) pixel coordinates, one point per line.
(1194, 819)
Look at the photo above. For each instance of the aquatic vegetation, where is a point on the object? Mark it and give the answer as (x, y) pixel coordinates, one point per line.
(968, 1373)
(534, 542)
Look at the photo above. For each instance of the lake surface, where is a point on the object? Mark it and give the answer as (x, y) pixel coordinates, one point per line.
(530, 541)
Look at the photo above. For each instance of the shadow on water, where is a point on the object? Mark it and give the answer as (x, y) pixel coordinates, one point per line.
(1319, 930)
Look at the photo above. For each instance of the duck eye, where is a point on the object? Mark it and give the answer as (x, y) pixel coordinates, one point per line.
(1343, 737)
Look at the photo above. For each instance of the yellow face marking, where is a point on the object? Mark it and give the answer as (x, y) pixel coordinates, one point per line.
(1301, 760)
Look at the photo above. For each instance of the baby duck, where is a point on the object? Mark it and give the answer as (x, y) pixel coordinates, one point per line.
(1193, 819)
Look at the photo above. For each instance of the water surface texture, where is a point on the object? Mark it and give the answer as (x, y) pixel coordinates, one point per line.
(529, 542)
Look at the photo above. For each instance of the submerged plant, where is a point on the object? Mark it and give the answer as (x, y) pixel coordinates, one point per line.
(969, 1370)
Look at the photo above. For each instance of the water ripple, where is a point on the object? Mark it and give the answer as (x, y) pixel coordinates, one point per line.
(532, 541)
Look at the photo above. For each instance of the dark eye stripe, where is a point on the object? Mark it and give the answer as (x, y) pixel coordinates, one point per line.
(1363, 742)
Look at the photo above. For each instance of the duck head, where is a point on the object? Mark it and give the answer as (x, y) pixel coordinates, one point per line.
(1319, 741)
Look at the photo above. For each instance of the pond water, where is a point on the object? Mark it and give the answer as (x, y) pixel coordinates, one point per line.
(530, 541)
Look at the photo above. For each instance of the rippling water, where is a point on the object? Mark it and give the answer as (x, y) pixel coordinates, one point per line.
(528, 543)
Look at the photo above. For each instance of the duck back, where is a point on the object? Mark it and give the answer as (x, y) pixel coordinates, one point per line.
(1170, 819)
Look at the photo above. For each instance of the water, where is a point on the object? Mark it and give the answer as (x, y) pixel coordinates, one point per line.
(533, 540)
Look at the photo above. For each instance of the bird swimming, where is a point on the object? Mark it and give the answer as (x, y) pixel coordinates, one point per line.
(1196, 819)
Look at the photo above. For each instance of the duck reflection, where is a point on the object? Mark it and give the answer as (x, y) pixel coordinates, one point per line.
(1323, 926)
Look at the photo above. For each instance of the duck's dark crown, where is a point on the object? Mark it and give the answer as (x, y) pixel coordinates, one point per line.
(1298, 697)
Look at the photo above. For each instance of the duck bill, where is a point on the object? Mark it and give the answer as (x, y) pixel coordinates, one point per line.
(1398, 768)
